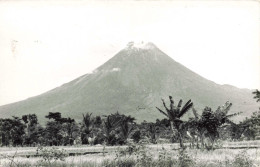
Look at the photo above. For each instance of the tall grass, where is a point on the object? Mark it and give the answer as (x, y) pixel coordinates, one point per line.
(145, 156)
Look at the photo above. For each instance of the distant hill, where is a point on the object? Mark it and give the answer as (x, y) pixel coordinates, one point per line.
(133, 83)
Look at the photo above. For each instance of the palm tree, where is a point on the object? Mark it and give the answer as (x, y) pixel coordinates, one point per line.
(86, 128)
(111, 122)
(126, 125)
(174, 113)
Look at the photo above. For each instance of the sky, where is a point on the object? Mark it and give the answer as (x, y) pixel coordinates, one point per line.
(45, 44)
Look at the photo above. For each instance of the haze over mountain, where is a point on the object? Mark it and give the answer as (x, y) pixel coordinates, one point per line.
(133, 83)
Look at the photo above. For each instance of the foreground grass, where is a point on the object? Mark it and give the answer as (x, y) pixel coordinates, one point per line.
(145, 156)
(99, 148)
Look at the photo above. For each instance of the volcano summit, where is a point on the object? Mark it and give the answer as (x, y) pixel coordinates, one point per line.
(133, 83)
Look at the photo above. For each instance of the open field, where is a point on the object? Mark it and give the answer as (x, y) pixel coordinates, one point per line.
(112, 155)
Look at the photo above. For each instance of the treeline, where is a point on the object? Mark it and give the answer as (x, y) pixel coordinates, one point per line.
(201, 130)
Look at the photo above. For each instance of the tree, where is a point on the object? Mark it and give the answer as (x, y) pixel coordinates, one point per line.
(152, 132)
(195, 129)
(5, 130)
(174, 113)
(86, 128)
(252, 125)
(31, 122)
(53, 135)
(17, 131)
(237, 130)
(12, 131)
(56, 132)
(257, 95)
(208, 124)
(126, 126)
(110, 128)
(56, 116)
(71, 131)
(136, 136)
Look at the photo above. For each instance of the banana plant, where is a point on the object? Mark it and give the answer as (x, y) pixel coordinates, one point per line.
(174, 114)
(209, 122)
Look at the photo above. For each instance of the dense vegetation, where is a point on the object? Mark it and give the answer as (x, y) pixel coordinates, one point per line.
(201, 131)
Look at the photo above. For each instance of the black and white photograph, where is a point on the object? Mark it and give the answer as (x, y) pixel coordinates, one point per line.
(129, 83)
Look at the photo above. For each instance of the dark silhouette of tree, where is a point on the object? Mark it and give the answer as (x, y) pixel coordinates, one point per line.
(208, 124)
(97, 136)
(97, 121)
(55, 116)
(6, 126)
(71, 131)
(195, 130)
(53, 135)
(111, 124)
(252, 125)
(236, 130)
(127, 125)
(17, 131)
(257, 95)
(12, 131)
(136, 136)
(152, 133)
(86, 128)
(174, 113)
(58, 130)
(31, 122)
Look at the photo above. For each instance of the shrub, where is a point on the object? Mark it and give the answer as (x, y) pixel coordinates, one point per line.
(99, 139)
(51, 155)
(137, 136)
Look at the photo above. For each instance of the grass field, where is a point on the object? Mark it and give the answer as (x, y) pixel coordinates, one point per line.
(138, 155)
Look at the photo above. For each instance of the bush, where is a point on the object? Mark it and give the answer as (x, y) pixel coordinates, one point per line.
(51, 155)
(99, 139)
(137, 136)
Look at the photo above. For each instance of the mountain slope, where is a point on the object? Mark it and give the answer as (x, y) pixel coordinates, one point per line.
(133, 82)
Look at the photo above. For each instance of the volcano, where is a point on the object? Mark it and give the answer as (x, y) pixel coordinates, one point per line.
(133, 83)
